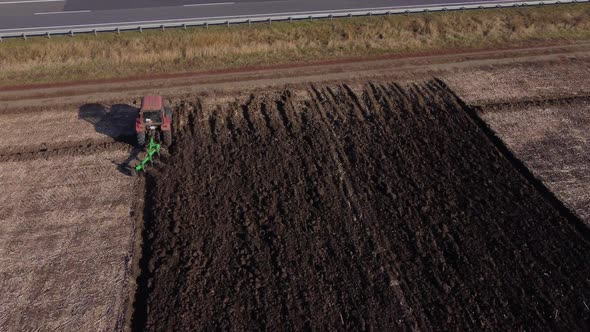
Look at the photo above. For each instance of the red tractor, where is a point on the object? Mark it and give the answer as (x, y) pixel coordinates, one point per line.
(154, 121)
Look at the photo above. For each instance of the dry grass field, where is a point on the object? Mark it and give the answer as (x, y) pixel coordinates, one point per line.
(86, 57)
(66, 241)
(68, 225)
(553, 140)
(34, 130)
(523, 81)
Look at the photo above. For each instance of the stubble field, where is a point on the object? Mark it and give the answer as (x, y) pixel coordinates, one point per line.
(68, 220)
(553, 140)
(66, 241)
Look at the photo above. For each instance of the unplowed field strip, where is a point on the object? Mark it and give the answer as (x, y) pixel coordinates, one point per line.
(66, 149)
(68, 228)
(539, 101)
(67, 239)
(552, 140)
(386, 208)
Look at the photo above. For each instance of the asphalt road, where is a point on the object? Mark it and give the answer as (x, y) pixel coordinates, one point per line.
(28, 16)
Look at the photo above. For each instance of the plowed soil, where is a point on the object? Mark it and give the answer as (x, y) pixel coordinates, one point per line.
(383, 209)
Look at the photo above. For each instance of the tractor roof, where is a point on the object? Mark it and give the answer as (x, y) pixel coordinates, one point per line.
(151, 103)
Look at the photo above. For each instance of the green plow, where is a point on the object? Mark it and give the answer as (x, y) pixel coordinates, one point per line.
(153, 148)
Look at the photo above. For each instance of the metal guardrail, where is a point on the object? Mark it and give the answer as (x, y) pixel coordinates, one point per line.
(263, 18)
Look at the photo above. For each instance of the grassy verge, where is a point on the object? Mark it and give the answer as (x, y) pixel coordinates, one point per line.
(41, 60)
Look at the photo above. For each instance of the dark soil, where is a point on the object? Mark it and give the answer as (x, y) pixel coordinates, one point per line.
(385, 210)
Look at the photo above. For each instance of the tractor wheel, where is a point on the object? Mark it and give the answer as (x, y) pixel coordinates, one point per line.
(140, 139)
(167, 137)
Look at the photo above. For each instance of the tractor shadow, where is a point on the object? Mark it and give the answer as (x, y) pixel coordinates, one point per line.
(117, 122)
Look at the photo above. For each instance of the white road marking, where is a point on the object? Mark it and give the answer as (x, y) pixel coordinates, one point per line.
(66, 12)
(265, 15)
(28, 1)
(210, 4)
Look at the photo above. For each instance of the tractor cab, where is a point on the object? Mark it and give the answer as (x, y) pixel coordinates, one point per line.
(154, 121)
(152, 118)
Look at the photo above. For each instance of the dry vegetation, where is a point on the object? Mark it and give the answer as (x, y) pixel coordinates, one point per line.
(67, 224)
(110, 55)
(33, 129)
(66, 236)
(525, 81)
(553, 140)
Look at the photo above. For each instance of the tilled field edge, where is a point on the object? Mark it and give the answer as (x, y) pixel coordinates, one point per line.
(134, 274)
(84, 148)
(137, 319)
(518, 164)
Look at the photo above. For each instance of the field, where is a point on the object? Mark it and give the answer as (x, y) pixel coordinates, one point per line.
(382, 208)
(68, 229)
(82, 126)
(66, 238)
(437, 192)
(522, 82)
